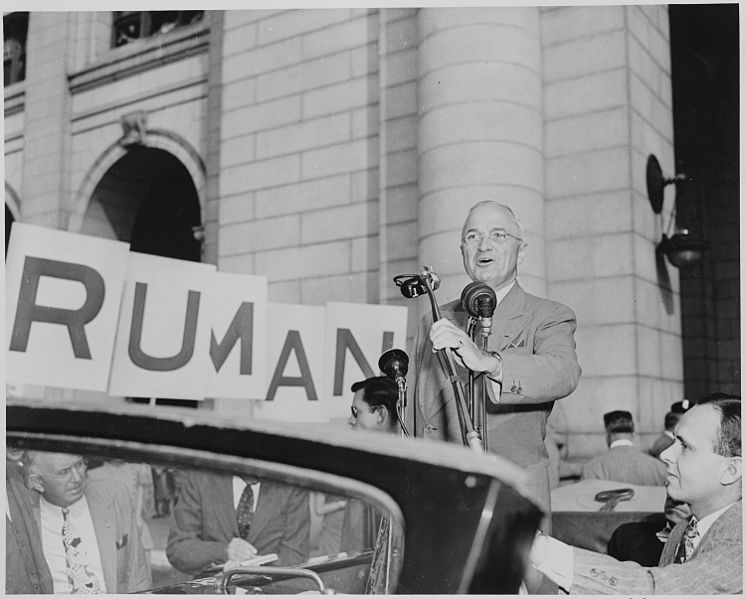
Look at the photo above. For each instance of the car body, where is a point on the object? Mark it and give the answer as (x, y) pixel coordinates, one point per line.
(467, 524)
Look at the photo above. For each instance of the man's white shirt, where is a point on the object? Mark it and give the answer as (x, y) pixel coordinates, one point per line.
(238, 486)
(54, 548)
(621, 443)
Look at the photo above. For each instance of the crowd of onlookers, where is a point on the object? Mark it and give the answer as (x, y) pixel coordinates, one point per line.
(75, 525)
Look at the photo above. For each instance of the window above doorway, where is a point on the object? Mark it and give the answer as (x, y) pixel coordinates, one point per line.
(129, 26)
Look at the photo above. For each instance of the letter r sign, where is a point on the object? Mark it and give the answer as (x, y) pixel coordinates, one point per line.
(62, 312)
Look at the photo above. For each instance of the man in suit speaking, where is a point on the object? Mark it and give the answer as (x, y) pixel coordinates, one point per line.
(531, 360)
(219, 518)
(703, 554)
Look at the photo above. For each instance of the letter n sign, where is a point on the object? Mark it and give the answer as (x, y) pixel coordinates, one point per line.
(61, 312)
(356, 336)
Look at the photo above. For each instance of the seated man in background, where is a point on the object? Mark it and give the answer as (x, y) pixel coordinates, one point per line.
(89, 531)
(220, 518)
(624, 462)
(703, 554)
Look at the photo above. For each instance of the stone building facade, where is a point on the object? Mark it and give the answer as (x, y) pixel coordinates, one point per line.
(332, 149)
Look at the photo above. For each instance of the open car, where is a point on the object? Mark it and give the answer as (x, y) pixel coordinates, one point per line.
(441, 519)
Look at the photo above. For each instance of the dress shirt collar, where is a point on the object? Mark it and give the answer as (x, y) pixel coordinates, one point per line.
(501, 293)
(238, 486)
(621, 443)
(705, 523)
(669, 434)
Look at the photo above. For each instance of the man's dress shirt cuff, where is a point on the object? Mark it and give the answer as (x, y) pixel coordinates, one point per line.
(554, 559)
(497, 388)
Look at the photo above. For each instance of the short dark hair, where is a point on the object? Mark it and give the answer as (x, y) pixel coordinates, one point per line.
(379, 391)
(619, 421)
(728, 442)
(717, 395)
(671, 419)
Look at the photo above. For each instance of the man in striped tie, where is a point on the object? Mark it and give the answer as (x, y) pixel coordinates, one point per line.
(704, 554)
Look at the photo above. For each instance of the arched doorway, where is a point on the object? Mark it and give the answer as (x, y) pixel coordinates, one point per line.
(148, 198)
(8, 224)
(12, 212)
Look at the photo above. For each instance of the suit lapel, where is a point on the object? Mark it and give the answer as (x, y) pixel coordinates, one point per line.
(511, 307)
(102, 514)
(727, 520)
(265, 509)
(221, 494)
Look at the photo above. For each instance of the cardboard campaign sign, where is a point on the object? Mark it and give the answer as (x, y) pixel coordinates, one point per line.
(62, 304)
(86, 313)
(295, 364)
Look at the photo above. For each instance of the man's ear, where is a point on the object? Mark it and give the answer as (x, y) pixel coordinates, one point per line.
(35, 482)
(733, 472)
(521, 252)
(382, 413)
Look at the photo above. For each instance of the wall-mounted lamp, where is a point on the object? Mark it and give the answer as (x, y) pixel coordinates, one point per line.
(683, 249)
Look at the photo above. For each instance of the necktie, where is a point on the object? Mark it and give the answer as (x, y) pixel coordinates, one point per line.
(81, 578)
(245, 511)
(686, 545)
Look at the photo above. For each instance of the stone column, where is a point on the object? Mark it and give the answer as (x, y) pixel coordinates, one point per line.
(46, 190)
(479, 132)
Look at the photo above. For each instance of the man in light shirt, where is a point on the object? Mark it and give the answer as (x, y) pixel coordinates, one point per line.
(531, 360)
(703, 555)
(89, 531)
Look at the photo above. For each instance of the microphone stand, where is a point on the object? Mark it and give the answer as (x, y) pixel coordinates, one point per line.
(469, 435)
(401, 405)
(481, 419)
(471, 330)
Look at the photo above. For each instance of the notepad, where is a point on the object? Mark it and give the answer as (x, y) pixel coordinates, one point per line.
(257, 560)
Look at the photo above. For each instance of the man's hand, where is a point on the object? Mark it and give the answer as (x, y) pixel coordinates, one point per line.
(445, 334)
(239, 550)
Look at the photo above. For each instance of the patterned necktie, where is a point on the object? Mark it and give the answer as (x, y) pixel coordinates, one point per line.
(82, 579)
(245, 511)
(686, 545)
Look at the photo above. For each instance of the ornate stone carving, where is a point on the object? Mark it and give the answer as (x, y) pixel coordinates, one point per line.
(134, 126)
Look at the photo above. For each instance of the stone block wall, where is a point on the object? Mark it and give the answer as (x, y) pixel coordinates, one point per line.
(299, 178)
(605, 111)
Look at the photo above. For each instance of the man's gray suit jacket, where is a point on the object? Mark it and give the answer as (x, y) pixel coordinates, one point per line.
(535, 339)
(26, 570)
(626, 464)
(715, 567)
(204, 522)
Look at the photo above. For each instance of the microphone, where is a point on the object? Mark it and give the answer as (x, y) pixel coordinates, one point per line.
(415, 285)
(394, 364)
(479, 301)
